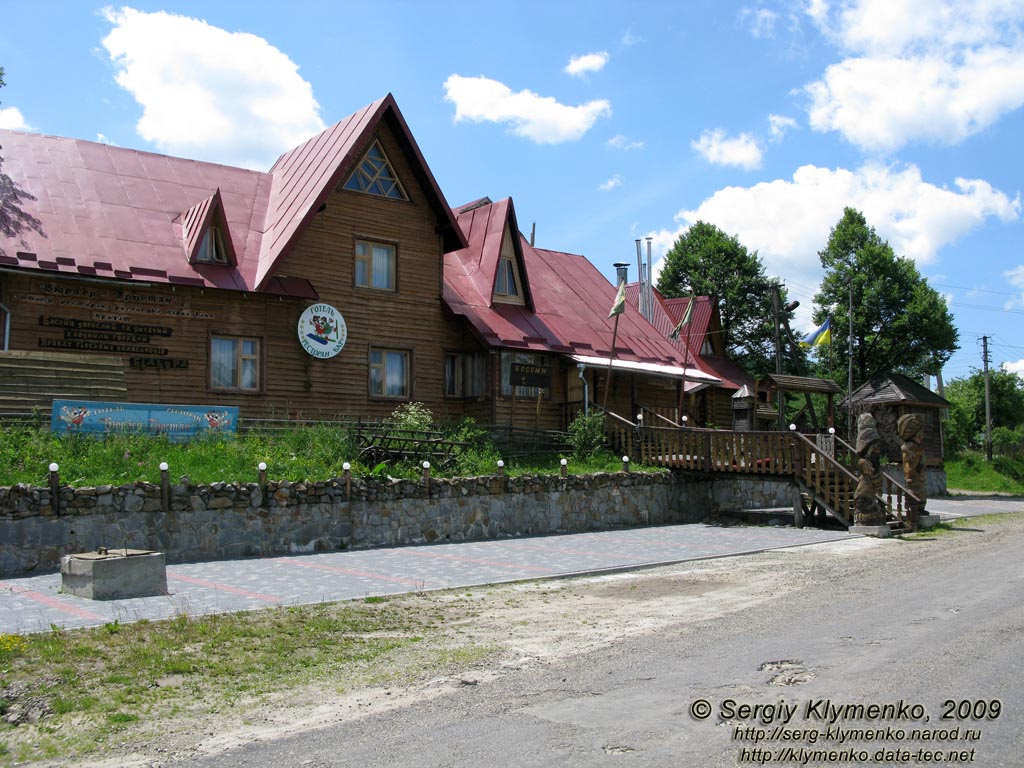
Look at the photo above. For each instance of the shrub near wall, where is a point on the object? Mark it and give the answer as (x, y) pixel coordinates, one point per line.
(230, 520)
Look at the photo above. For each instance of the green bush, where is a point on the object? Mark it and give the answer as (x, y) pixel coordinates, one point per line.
(586, 435)
(1008, 442)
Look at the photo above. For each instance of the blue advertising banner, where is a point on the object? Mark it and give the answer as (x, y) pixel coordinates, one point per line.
(178, 422)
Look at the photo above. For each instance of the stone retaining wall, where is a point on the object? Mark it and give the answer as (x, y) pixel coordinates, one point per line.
(229, 520)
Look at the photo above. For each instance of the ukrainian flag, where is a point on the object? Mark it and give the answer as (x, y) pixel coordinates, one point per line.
(821, 336)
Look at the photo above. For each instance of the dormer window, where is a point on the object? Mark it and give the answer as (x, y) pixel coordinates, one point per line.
(211, 249)
(508, 287)
(375, 176)
(206, 234)
(508, 280)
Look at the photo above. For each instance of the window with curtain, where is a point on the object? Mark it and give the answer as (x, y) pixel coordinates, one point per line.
(390, 374)
(376, 265)
(508, 285)
(465, 374)
(234, 363)
(507, 358)
(212, 249)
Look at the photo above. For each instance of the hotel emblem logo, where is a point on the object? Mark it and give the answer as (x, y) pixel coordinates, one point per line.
(322, 331)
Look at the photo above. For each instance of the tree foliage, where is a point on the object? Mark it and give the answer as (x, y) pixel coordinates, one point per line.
(705, 261)
(966, 423)
(900, 323)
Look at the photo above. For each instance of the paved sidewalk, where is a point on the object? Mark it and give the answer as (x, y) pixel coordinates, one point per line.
(33, 604)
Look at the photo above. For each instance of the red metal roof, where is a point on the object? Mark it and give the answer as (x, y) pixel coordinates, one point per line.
(666, 315)
(105, 211)
(571, 298)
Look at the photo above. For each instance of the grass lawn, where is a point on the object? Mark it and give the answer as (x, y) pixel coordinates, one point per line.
(970, 472)
(303, 454)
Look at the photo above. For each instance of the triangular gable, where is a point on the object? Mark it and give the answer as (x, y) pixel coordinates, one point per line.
(704, 325)
(307, 174)
(492, 231)
(198, 220)
(510, 247)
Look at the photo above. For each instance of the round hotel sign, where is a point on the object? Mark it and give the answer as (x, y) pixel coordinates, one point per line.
(322, 331)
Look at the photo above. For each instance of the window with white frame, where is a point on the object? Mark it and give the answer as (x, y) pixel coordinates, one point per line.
(465, 374)
(508, 287)
(235, 363)
(390, 373)
(376, 265)
(507, 358)
(212, 249)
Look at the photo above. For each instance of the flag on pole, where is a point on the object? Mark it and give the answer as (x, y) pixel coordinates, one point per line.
(620, 301)
(821, 336)
(685, 322)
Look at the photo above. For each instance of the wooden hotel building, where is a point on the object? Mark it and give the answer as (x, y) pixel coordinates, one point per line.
(338, 283)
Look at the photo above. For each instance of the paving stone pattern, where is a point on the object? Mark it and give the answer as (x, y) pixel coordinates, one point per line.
(33, 604)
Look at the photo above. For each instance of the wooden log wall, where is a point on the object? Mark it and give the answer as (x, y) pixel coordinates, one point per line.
(31, 381)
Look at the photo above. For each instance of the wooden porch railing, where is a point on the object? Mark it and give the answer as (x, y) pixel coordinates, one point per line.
(812, 464)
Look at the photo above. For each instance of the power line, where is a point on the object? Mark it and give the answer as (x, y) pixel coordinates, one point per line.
(990, 309)
(975, 290)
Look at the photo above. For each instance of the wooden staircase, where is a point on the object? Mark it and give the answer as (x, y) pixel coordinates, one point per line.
(825, 484)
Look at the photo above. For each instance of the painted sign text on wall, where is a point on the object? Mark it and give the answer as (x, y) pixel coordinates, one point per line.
(178, 422)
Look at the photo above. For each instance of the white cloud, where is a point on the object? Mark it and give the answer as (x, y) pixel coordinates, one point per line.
(207, 93)
(589, 62)
(1017, 367)
(742, 151)
(538, 118)
(612, 183)
(788, 221)
(102, 139)
(1015, 277)
(780, 125)
(624, 143)
(897, 27)
(628, 38)
(760, 20)
(931, 70)
(881, 103)
(12, 119)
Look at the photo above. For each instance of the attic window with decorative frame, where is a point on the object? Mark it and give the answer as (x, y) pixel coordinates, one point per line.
(212, 249)
(375, 176)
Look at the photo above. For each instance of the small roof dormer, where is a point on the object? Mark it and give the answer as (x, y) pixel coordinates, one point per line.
(207, 239)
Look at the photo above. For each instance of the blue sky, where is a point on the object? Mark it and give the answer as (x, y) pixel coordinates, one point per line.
(604, 121)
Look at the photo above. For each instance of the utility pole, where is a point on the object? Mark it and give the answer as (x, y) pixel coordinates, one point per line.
(776, 311)
(988, 400)
(849, 384)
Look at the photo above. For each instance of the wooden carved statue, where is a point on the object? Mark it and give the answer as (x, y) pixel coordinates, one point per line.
(868, 509)
(911, 430)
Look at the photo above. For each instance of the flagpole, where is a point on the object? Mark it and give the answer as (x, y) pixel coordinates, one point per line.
(687, 317)
(618, 308)
(611, 359)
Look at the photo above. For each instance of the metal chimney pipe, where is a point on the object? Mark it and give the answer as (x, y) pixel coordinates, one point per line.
(640, 276)
(650, 285)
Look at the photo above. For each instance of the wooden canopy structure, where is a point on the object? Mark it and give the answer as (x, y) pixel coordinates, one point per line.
(775, 383)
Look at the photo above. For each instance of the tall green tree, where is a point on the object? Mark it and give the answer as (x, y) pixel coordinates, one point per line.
(900, 323)
(705, 261)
